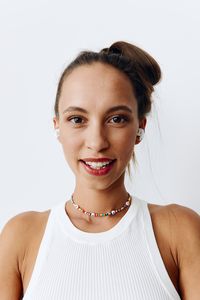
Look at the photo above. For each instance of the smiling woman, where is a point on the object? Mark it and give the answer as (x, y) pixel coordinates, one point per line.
(102, 125)
(103, 243)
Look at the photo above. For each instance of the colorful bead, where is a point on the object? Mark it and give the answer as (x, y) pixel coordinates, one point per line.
(113, 212)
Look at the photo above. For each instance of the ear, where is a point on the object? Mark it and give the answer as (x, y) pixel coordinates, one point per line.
(56, 126)
(142, 124)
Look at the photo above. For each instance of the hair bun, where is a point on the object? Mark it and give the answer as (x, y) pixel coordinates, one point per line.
(115, 50)
(146, 65)
(105, 50)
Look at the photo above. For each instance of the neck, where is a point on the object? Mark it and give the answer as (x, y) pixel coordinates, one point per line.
(100, 201)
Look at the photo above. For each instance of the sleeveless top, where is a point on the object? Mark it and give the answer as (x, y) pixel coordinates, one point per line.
(123, 262)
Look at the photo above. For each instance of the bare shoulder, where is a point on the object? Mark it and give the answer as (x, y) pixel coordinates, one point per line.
(14, 240)
(182, 225)
(188, 249)
(163, 226)
(181, 221)
(18, 227)
(23, 225)
(177, 214)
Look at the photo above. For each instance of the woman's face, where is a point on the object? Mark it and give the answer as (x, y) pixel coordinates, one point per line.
(98, 119)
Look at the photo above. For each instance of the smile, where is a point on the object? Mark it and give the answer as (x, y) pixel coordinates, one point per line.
(98, 165)
(98, 168)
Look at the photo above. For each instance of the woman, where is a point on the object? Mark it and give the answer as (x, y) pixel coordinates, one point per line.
(103, 243)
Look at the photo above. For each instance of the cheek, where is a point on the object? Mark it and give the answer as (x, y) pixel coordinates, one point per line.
(71, 146)
(123, 146)
(124, 140)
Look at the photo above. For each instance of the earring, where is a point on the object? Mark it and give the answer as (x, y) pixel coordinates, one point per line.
(57, 132)
(140, 133)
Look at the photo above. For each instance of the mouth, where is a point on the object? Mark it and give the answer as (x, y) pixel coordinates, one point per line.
(98, 168)
(98, 164)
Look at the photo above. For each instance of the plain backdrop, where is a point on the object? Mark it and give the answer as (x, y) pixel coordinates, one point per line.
(38, 39)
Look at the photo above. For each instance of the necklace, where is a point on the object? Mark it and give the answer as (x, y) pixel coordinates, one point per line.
(111, 213)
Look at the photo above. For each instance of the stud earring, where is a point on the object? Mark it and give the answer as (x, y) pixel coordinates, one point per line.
(57, 132)
(140, 133)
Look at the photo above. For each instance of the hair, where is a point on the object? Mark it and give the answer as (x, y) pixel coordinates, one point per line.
(139, 66)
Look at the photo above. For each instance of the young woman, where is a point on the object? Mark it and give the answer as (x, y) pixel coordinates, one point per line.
(103, 243)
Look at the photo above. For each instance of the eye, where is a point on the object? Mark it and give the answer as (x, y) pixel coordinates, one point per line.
(75, 119)
(119, 119)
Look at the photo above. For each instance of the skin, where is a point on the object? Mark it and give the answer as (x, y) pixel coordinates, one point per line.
(97, 88)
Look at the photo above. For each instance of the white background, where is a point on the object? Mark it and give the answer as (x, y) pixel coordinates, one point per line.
(39, 38)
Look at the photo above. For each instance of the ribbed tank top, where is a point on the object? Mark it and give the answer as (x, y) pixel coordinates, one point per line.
(123, 262)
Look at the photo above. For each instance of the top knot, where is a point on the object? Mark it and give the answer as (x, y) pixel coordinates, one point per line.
(111, 50)
(141, 60)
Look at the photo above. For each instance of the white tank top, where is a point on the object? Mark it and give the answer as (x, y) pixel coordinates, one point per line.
(121, 263)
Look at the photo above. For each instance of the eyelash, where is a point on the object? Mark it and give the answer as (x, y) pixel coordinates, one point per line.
(126, 119)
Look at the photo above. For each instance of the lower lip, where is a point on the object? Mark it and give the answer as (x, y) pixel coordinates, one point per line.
(99, 172)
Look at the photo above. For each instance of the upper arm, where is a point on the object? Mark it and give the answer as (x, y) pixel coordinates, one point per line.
(12, 251)
(188, 251)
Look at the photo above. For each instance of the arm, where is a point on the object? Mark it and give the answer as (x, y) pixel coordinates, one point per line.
(10, 252)
(188, 251)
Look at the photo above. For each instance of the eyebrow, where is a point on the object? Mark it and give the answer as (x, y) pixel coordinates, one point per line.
(110, 110)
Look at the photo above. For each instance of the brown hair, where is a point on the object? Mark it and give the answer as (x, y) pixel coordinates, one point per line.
(140, 67)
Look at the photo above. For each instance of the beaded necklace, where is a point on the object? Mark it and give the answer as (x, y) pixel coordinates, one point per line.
(111, 213)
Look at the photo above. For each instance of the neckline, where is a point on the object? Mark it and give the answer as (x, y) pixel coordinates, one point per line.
(98, 237)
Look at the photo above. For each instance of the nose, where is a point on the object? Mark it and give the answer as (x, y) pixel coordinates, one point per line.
(96, 138)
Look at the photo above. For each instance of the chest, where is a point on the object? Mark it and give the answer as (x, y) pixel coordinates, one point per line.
(162, 242)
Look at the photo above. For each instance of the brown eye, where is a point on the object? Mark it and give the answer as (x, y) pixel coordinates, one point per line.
(119, 119)
(76, 120)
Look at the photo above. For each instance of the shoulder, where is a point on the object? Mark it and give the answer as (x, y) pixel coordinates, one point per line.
(182, 226)
(183, 222)
(187, 227)
(18, 224)
(23, 223)
(20, 229)
(176, 214)
(186, 223)
(14, 239)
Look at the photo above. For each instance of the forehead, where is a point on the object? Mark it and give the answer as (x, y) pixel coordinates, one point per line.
(96, 83)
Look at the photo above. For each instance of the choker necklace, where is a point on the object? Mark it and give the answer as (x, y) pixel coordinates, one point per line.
(111, 213)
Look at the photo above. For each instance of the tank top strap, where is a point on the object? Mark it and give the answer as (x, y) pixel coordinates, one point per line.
(154, 252)
(42, 252)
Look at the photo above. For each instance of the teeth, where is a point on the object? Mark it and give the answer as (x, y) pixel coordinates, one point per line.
(97, 165)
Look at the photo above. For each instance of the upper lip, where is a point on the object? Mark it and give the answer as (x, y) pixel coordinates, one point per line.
(102, 159)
